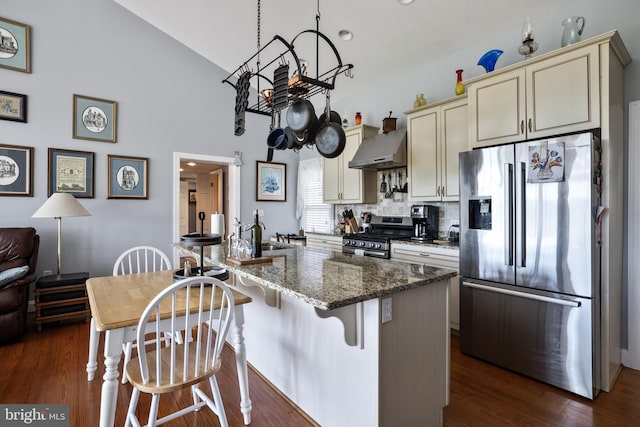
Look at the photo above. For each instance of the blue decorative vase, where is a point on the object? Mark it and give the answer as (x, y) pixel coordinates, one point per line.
(489, 59)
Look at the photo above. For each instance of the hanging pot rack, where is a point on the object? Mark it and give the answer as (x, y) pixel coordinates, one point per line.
(306, 86)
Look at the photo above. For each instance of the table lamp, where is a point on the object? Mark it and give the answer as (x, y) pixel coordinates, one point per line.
(57, 206)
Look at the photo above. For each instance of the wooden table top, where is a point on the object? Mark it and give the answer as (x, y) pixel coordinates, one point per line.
(118, 301)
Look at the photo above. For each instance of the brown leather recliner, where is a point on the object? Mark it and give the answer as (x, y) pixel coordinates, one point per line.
(18, 249)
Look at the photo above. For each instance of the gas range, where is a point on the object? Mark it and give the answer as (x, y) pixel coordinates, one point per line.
(376, 242)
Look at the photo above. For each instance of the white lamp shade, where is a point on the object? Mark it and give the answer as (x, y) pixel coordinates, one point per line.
(61, 205)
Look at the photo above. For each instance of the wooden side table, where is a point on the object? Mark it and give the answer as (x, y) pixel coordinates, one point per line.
(61, 297)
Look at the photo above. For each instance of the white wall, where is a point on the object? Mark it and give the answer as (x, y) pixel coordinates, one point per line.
(169, 99)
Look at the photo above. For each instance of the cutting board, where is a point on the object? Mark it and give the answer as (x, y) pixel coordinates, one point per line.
(249, 261)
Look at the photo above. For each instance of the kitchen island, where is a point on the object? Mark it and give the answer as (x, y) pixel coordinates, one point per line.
(351, 340)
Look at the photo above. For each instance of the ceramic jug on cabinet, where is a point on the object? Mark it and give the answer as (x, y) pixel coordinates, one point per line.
(573, 27)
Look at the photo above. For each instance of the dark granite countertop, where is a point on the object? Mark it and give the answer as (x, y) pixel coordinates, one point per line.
(327, 279)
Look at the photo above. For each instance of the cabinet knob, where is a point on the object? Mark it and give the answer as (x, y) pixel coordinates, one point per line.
(530, 126)
(521, 126)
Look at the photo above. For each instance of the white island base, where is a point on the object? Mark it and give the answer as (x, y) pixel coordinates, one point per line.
(389, 374)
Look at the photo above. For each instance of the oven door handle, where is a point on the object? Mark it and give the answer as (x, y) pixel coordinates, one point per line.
(368, 252)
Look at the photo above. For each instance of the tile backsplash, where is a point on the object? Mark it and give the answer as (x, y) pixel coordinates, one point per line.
(398, 205)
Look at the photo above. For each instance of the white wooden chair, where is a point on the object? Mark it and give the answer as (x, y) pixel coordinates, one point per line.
(161, 370)
(139, 259)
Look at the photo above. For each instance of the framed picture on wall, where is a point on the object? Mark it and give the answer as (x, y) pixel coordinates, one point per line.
(15, 45)
(271, 181)
(71, 172)
(94, 119)
(13, 106)
(16, 170)
(127, 177)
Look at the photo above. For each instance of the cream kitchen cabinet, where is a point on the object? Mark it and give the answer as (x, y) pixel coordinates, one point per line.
(434, 256)
(344, 185)
(435, 136)
(559, 94)
(324, 241)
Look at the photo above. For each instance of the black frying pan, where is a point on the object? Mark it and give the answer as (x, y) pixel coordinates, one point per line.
(330, 138)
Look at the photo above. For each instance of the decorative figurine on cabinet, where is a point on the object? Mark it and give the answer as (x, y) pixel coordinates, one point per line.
(459, 85)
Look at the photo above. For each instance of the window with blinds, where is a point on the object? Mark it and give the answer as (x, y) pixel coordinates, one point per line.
(315, 215)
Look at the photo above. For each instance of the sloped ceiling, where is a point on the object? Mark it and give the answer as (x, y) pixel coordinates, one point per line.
(387, 36)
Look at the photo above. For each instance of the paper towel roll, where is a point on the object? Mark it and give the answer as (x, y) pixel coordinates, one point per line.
(217, 224)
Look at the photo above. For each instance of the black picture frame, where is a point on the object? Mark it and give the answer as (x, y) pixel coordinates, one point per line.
(16, 170)
(271, 181)
(72, 172)
(13, 106)
(127, 177)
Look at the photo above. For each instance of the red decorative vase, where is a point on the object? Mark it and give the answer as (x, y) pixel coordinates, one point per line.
(459, 85)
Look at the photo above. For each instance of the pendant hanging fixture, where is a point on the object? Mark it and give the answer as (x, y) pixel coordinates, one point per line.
(275, 88)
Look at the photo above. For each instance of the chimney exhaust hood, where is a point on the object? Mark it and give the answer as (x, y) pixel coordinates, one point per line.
(383, 151)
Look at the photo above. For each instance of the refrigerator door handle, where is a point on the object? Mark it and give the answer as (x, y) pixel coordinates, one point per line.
(522, 294)
(523, 215)
(508, 197)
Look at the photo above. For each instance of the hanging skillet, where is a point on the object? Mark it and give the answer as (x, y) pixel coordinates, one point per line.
(330, 137)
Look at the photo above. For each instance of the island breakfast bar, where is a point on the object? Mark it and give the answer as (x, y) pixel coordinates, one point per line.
(351, 340)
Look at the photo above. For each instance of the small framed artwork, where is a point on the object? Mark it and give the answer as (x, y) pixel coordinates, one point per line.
(13, 106)
(15, 45)
(127, 177)
(271, 181)
(192, 196)
(16, 170)
(94, 119)
(71, 172)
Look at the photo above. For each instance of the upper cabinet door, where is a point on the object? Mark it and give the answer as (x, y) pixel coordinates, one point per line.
(563, 93)
(351, 178)
(423, 136)
(557, 95)
(497, 109)
(455, 139)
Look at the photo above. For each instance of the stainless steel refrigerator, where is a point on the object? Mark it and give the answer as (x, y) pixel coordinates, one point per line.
(530, 259)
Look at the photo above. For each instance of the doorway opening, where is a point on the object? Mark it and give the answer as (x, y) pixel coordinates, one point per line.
(215, 181)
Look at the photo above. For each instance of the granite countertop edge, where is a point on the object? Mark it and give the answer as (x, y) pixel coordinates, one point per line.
(334, 300)
(440, 274)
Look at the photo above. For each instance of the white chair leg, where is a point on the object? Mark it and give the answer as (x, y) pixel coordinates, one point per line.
(132, 407)
(127, 356)
(153, 411)
(215, 391)
(92, 362)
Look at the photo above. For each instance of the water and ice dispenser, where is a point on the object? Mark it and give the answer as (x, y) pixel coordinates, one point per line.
(480, 214)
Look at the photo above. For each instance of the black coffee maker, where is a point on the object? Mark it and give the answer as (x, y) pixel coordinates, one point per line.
(425, 222)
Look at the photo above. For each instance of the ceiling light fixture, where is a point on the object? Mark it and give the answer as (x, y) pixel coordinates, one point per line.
(405, 2)
(345, 35)
(191, 164)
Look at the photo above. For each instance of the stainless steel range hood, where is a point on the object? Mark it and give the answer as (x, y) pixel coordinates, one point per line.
(384, 151)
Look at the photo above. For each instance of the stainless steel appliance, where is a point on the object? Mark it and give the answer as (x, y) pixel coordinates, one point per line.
(425, 222)
(530, 259)
(377, 242)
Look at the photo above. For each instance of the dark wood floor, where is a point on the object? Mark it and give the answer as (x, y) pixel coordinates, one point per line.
(49, 367)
